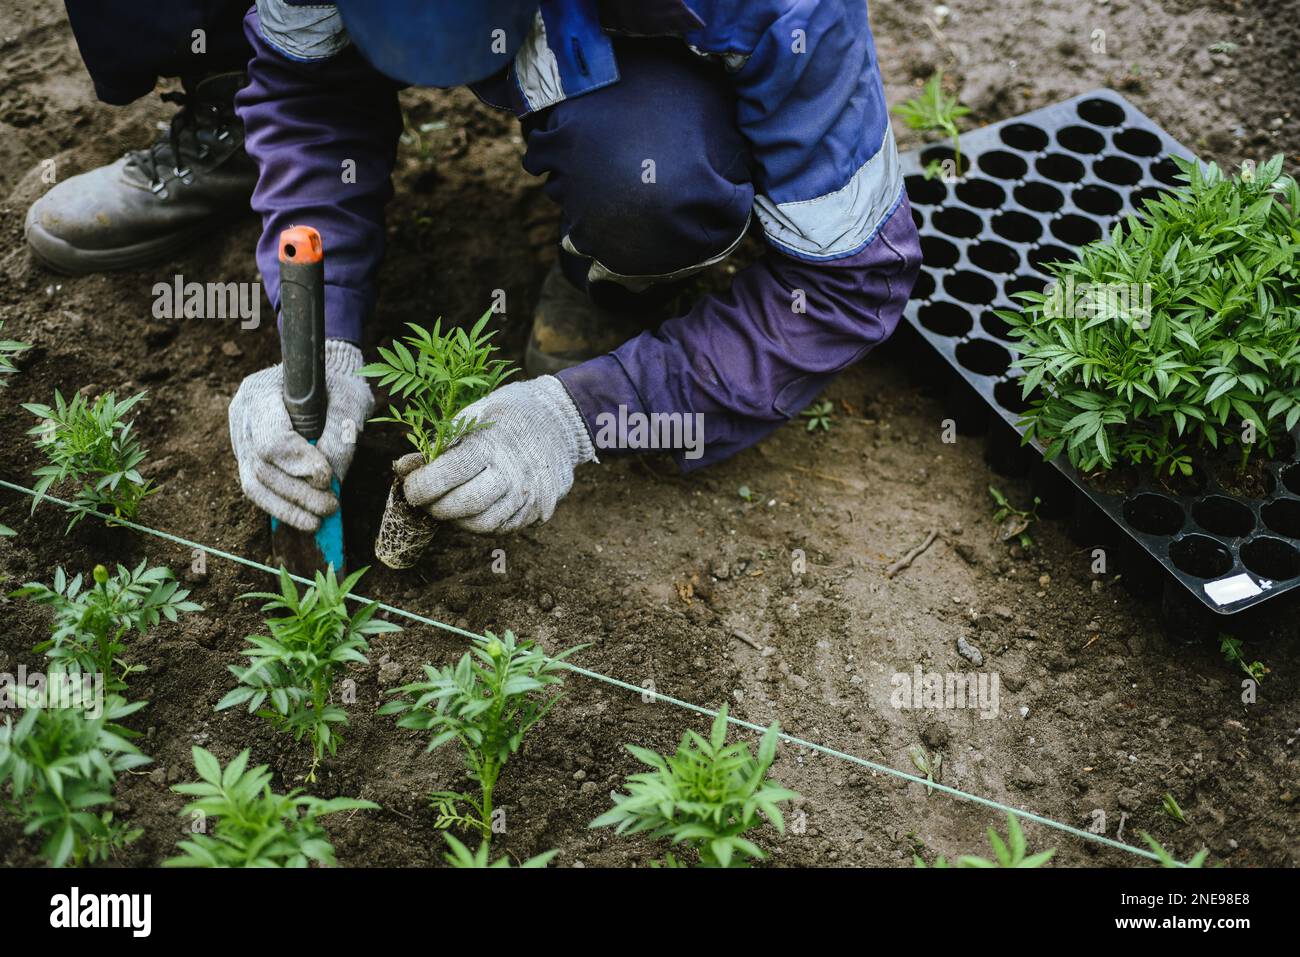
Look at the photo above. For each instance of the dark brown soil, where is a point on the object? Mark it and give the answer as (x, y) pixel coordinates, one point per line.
(1100, 715)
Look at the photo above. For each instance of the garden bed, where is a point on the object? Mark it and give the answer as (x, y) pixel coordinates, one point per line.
(659, 573)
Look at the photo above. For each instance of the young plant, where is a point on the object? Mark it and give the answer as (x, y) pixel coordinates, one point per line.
(1168, 860)
(91, 619)
(461, 856)
(91, 444)
(1012, 852)
(819, 416)
(708, 795)
(934, 110)
(437, 376)
(487, 702)
(1175, 335)
(254, 826)
(928, 764)
(1231, 650)
(1014, 523)
(1171, 808)
(292, 670)
(9, 350)
(60, 765)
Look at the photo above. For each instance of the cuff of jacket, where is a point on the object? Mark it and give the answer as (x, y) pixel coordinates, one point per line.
(600, 387)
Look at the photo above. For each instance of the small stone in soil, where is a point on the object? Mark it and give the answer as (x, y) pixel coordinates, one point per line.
(546, 602)
(969, 652)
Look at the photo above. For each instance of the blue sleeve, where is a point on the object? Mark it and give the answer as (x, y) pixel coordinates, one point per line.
(322, 126)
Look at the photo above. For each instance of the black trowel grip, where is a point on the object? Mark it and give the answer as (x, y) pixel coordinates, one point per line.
(302, 329)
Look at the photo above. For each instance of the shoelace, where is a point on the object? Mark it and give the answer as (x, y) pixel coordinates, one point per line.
(188, 119)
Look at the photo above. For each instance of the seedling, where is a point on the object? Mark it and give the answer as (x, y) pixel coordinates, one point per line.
(1013, 852)
(1171, 808)
(487, 702)
(91, 622)
(935, 111)
(9, 350)
(1014, 523)
(461, 856)
(437, 376)
(928, 764)
(819, 416)
(1175, 335)
(91, 444)
(254, 827)
(60, 765)
(708, 795)
(292, 670)
(1168, 860)
(746, 493)
(1231, 649)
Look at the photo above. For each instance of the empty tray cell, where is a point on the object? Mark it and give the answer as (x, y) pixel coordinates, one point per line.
(1081, 139)
(945, 319)
(1291, 479)
(1271, 558)
(983, 356)
(994, 256)
(1060, 168)
(1017, 227)
(1007, 394)
(1100, 112)
(971, 287)
(1098, 200)
(996, 326)
(1039, 197)
(1075, 229)
(1154, 514)
(1224, 516)
(981, 193)
(923, 288)
(961, 223)
(1118, 170)
(938, 253)
(1042, 258)
(947, 156)
(1023, 136)
(1138, 142)
(1200, 556)
(1167, 171)
(1003, 165)
(1282, 516)
(925, 192)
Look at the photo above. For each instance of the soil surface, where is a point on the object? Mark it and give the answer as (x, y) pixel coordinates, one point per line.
(1100, 714)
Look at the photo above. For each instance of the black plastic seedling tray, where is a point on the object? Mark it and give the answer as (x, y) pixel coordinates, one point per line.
(1034, 189)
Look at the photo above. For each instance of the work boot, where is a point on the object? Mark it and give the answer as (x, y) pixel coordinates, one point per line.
(139, 209)
(568, 328)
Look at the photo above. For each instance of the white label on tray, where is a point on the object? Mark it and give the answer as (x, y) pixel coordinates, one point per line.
(1227, 590)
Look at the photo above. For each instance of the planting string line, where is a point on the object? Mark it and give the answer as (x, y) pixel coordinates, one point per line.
(627, 686)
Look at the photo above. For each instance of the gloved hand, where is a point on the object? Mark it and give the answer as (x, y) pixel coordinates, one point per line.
(510, 474)
(280, 471)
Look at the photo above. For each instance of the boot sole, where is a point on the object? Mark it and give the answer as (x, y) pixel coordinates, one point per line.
(60, 256)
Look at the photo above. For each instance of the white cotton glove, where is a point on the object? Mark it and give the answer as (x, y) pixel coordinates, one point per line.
(508, 475)
(280, 471)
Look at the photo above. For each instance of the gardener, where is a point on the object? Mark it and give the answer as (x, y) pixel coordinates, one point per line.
(662, 128)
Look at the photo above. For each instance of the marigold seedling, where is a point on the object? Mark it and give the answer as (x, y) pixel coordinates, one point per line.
(708, 795)
(461, 856)
(819, 416)
(59, 765)
(935, 111)
(1013, 852)
(1168, 860)
(237, 821)
(92, 618)
(9, 351)
(1231, 649)
(292, 670)
(1174, 336)
(1171, 808)
(91, 444)
(436, 377)
(488, 702)
(1014, 523)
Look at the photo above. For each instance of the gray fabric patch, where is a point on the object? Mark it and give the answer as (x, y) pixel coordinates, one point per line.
(303, 33)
